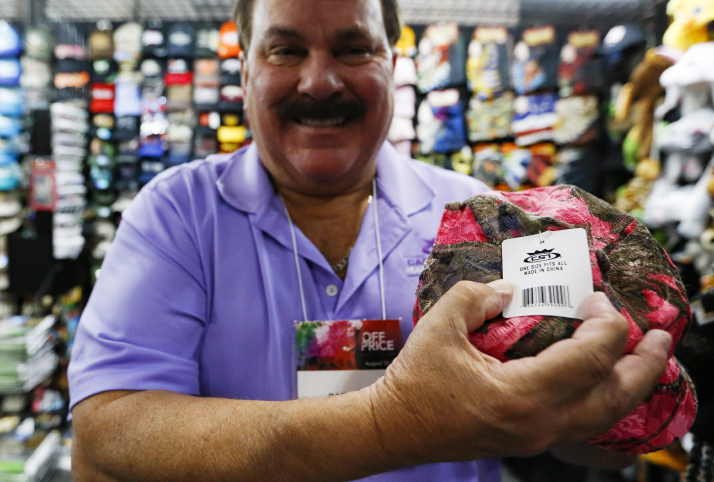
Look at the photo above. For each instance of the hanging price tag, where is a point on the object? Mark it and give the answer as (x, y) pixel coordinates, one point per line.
(550, 273)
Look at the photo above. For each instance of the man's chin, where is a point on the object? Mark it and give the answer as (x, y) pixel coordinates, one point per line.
(325, 165)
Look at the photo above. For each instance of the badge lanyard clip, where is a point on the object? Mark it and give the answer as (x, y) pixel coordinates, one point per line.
(373, 202)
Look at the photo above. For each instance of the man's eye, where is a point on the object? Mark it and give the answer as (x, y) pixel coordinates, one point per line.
(285, 52)
(356, 51)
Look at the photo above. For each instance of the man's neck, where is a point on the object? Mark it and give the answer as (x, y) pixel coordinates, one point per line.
(331, 223)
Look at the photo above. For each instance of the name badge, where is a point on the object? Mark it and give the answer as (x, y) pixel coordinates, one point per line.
(335, 357)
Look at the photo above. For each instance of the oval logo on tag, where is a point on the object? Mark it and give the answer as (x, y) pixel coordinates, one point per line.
(544, 255)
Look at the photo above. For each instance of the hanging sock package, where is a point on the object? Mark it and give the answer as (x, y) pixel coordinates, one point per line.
(536, 61)
(541, 170)
(441, 59)
(487, 66)
(490, 119)
(581, 67)
(534, 118)
(440, 126)
(577, 120)
(627, 265)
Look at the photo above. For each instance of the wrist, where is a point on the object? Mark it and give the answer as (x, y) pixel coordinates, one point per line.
(335, 438)
(396, 430)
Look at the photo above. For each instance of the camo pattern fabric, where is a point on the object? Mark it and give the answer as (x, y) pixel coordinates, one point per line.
(627, 265)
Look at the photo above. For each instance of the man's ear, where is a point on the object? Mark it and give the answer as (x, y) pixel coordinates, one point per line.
(244, 76)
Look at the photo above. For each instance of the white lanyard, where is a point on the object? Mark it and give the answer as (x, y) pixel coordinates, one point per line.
(373, 202)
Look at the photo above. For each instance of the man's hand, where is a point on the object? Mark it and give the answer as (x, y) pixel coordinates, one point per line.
(442, 399)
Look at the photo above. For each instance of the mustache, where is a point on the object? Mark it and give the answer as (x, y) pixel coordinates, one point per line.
(321, 109)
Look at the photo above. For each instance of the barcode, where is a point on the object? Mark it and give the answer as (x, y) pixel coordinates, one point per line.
(554, 295)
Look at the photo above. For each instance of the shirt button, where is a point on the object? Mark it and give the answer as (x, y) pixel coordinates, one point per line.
(331, 290)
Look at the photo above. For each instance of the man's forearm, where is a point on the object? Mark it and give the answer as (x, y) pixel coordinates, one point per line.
(157, 435)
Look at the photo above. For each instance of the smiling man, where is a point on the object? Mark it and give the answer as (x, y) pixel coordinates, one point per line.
(183, 368)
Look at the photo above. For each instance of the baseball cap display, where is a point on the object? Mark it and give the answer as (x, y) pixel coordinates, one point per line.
(10, 173)
(207, 73)
(207, 40)
(36, 74)
(10, 45)
(71, 85)
(102, 98)
(627, 264)
(623, 37)
(619, 40)
(69, 51)
(102, 125)
(178, 97)
(152, 147)
(11, 102)
(231, 98)
(8, 145)
(127, 172)
(101, 45)
(205, 97)
(178, 72)
(153, 71)
(181, 39)
(204, 144)
(10, 72)
(128, 97)
(104, 70)
(153, 40)
(127, 42)
(9, 127)
(38, 43)
(231, 135)
(10, 205)
(230, 72)
(228, 41)
(149, 168)
(127, 127)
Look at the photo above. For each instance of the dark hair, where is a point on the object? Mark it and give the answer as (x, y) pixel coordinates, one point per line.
(244, 20)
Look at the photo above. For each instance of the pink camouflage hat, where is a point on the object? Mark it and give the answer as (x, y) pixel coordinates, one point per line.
(627, 265)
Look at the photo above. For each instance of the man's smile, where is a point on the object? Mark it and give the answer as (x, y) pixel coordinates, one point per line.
(316, 122)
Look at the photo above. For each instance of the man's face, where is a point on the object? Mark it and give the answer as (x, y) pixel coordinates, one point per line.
(319, 90)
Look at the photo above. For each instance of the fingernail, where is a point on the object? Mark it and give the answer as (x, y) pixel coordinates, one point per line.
(664, 339)
(501, 285)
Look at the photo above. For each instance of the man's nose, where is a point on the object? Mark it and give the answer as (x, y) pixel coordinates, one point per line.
(320, 77)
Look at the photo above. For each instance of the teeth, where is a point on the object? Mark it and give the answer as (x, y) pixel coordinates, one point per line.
(321, 122)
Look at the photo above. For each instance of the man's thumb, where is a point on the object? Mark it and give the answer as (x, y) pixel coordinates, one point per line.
(469, 304)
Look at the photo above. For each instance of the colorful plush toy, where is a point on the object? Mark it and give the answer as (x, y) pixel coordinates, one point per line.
(639, 97)
(406, 46)
(681, 192)
(690, 23)
(636, 107)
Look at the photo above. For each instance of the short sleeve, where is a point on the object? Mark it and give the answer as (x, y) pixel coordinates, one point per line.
(144, 321)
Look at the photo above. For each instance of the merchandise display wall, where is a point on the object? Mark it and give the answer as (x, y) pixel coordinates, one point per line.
(91, 111)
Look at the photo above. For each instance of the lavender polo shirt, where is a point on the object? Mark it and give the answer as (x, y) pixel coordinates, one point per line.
(199, 291)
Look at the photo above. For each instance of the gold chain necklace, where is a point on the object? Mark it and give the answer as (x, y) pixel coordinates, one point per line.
(342, 263)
